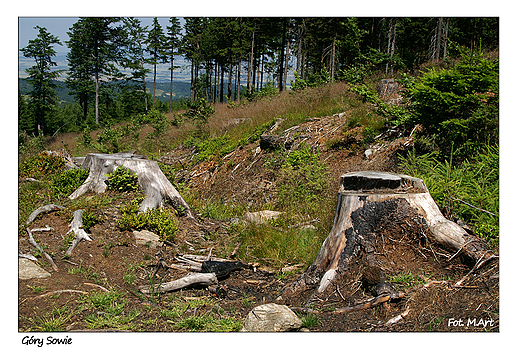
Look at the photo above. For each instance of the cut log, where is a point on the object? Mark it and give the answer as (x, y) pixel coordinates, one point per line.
(191, 279)
(369, 201)
(151, 179)
(76, 227)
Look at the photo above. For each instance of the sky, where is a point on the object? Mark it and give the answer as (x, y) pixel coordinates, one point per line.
(59, 26)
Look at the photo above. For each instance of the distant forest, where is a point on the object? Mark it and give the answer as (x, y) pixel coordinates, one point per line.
(109, 59)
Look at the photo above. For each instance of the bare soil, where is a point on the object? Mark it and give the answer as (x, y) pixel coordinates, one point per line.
(431, 300)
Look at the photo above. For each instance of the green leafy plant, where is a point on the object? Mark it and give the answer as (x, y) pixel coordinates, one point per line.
(200, 110)
(41, 165)
(458, 105)
(310, 320)
(64, 183)
(123, 180)
(161, 221)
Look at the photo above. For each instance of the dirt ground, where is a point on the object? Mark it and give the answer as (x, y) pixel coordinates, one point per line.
(431, 301)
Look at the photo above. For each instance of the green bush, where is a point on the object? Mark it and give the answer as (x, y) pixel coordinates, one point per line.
(64, 183)
(41, 165)
(200, 110)
(122, 180)
(458, 105)
(161, 221)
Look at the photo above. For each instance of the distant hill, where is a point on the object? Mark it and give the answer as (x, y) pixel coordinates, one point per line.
(162, 90)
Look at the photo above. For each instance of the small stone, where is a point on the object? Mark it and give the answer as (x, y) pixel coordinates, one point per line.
(29, 270)
(145, 237)
(261, 217)
(271, 317)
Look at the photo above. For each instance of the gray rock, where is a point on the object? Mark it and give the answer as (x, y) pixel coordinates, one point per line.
(29, 270)
(271, 317)
(260, 217)
(145, 237)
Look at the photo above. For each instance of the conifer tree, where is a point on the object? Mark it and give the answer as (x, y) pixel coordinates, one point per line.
(43, 94)
(172, 43)
(156, 49)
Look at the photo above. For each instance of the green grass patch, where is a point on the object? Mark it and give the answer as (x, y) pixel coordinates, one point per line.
(469, 191)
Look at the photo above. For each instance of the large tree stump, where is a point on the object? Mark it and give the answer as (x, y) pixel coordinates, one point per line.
(151, 179)
(369, 201)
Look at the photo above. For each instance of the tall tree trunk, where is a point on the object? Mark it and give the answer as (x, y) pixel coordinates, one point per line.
(96, 103)
(391, 45)
(154, 80)
(171, 83)
(282, 51)
(333, 58)
(238, 81)
(221, 83)
(230, 81)
(250, 71)
(286, 63)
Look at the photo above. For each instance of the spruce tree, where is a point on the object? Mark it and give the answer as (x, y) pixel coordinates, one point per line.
(41, 76)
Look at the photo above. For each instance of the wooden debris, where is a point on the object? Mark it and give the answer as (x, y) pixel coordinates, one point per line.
(48, 257)
(44, 209)
(76, 226)
(191, 279)
(370, 303)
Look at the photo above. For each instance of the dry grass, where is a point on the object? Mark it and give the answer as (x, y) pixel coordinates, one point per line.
(293, 107)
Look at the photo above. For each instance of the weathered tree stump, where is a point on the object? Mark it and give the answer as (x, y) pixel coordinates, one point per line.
(151, 179)
(369, 201)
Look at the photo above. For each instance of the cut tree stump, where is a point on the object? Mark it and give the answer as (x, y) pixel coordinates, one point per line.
(367, 202)
(152, 181)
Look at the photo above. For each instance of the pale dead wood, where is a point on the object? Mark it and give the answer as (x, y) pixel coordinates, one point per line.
(191, 279)
(59, 292)
(76, 227)
(98, 286)
(156, 187)
(397, 318)
(44, 209)
(481, 262)
(370, 303)
(42, 229)
(48, 257)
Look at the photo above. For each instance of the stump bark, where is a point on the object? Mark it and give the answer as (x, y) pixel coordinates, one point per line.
(151, 179)
(369, 201)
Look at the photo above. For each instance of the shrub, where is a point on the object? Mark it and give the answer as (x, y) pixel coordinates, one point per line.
(160, 221)
(123, 180)
(41, 165)
(458, 105)
(64, 183)
(200, 110)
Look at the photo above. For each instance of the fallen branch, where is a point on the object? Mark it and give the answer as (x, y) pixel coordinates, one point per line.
(48, 257)
(370, 303)
(191, 279)
(398, 318)
(76, 226)
(41, 229)
(474, 207)
(58, 292)
(98, 286)
(45, 209)
(477, 265)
